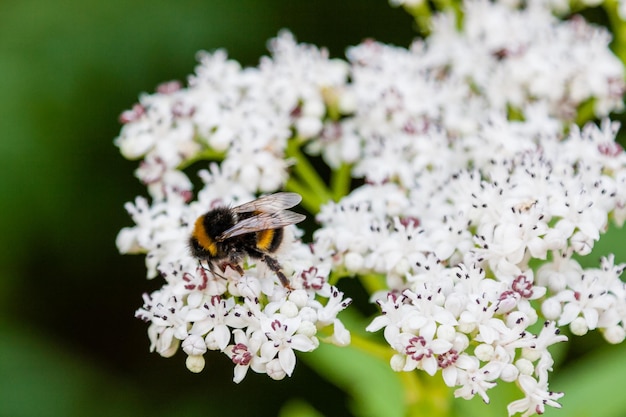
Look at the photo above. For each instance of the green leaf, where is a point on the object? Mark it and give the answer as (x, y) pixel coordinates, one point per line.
(298, 408)
(375, 389)
(593, 385)
(610, 242)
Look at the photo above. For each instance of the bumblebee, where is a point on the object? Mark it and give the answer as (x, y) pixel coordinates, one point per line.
(224, 236)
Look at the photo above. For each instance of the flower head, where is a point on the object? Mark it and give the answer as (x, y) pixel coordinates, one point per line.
(477, 194)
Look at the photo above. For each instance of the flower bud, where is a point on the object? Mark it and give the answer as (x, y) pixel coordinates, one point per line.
(195, 363)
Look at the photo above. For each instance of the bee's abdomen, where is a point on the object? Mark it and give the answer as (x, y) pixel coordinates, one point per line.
(269, 240)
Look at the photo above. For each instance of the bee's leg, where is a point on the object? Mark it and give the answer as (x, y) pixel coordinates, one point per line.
(206, 268)
(276, 268)
(211, 268)
(233, 266)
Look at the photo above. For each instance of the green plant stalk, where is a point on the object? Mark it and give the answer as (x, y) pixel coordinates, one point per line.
(373, 283)
(585, 112)
(413, 391)
(340, 181)
(618, 29)
(422, 14)
(383, 352)
(310, 201)
(207, 154)
(420, 399)
(307, 175)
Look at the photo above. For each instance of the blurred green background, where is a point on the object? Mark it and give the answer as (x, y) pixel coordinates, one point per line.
(69, 342)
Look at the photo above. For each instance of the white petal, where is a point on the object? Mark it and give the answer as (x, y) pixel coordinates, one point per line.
(449, 375)
(222, 336)
(440, 346)
(275, 370)
(287, 359)
(591, 316)
(430, 365)
(488, 333)
(127, 242)
(239, 373)
(378, 323)
(196, 314)
(195, 363)
(341, 336)
(268, 351)
(303, 343)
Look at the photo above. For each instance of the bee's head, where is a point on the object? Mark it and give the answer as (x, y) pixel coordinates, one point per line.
(203, 243)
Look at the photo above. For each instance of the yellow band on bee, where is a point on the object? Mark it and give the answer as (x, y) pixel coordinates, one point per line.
(264, 239)
(203, 238)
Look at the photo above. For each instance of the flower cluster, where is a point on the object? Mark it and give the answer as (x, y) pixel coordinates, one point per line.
(470, 182)
(456, 249)
(479, 194)
(242, 116)
(245, 117)
(251, 318)
(558, 6)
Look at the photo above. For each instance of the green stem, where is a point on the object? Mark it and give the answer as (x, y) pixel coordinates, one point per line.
(207, 154)
(422, 14)
(377, 350)
(421, 399)
(340, 181)
(618, 28)
(585, 112)
(310, 200)
(373, 283)
(413, 391)
(307, 175)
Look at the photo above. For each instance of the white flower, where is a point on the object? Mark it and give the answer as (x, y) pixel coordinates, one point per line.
(211, 319)
(194, 345)
(245, 353)
(537, 397)
(475, 380)
(420, 352)
(282, 340)
(341, 335)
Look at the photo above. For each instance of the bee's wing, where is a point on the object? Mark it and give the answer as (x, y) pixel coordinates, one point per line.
(262, 221)
(270, 203)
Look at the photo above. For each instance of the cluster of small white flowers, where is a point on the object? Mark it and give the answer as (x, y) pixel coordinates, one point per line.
(411, 102)
(563, 6)
(559, 6)
(517, 57)
(456, 251)
(251, 318)
(247, 117)
(460, 202)
(474, 205)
